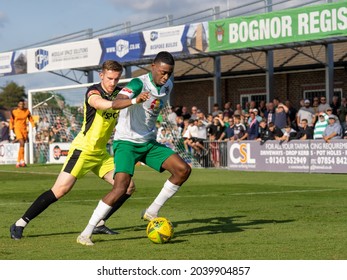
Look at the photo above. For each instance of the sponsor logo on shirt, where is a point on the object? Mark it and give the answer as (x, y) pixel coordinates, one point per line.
(156, 105)
(110, 115)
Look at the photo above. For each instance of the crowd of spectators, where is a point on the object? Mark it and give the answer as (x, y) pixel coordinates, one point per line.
(59, 129)
(198, 132)
(275, 120)
(47, 131)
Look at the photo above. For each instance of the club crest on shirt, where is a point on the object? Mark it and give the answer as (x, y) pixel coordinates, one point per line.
(156, 105)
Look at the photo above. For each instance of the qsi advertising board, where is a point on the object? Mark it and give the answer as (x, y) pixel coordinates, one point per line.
(122, 48)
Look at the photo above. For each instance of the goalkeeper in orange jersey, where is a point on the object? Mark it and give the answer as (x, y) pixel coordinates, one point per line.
(18, 129)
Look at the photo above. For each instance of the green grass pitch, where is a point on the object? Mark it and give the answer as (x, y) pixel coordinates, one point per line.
(217, 214)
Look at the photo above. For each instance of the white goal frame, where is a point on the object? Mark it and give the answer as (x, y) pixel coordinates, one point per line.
(30, 107)
(185, 155)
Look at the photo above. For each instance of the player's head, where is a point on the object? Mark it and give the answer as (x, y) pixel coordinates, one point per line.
(162, 68)
(110, 75)
(21, 103)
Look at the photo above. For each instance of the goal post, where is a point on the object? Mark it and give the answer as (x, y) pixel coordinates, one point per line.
(62, 108)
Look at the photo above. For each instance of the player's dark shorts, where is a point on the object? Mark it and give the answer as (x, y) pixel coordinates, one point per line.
(127, 154)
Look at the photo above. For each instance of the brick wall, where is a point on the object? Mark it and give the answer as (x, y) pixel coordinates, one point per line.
(287, 86)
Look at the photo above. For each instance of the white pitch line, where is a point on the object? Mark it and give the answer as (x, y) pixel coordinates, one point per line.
(29, 172)
(194, 196)
(51, 173)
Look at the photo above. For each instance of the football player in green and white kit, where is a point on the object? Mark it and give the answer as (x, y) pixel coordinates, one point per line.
(135, 140)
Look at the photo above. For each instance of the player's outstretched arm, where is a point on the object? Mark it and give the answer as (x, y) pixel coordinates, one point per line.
(122, 101)
(99, 103)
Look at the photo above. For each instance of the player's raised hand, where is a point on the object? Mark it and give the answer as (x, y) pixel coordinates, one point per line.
(142, 97)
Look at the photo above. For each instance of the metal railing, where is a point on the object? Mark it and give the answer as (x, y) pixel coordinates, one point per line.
(213, 13)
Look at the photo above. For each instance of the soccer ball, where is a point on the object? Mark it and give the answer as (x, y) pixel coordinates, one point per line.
(160, 230)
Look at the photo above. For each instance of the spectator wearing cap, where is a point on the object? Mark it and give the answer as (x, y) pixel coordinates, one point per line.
(193, 112)
(281, 117)
(257, 117)
(333, 130)
(306, 113)
(323, 105)
(256, 113)
(329, 112)
(320, 125)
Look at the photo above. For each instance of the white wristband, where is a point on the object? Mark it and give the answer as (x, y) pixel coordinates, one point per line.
(133, 101)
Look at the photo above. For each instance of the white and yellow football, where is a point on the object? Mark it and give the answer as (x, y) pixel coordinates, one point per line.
(160, 230)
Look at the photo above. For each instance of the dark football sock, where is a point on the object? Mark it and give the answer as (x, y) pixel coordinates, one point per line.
(39, 205)
(117, 205)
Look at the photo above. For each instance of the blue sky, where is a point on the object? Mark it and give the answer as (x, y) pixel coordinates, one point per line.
(25, 22)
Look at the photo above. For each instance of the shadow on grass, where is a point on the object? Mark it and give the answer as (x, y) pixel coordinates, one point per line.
(212, 225)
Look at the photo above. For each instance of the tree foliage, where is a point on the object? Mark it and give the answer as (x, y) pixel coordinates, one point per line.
(10, 94)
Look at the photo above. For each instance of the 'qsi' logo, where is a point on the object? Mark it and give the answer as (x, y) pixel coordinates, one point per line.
(122, 47)
(154, 35)
(41, 59)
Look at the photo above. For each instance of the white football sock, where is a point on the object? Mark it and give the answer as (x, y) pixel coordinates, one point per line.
(21, 223)
(99, 213)
(166, 192)
(101, 223)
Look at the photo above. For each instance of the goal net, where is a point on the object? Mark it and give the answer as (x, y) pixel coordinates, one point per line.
(58, 115)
